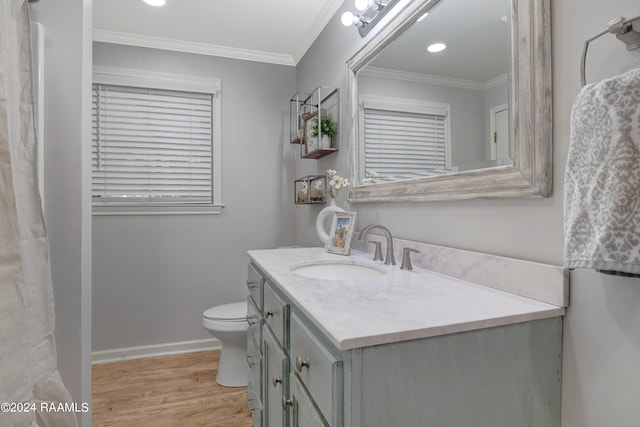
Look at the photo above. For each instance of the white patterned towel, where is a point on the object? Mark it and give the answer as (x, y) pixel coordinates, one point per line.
(602, 180)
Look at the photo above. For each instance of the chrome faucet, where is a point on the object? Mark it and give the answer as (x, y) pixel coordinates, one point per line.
(389, 259)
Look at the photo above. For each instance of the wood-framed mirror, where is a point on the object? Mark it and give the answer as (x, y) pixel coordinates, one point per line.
(519, 166)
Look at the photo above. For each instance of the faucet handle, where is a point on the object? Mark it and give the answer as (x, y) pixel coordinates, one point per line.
(377, 256)
(406, 258)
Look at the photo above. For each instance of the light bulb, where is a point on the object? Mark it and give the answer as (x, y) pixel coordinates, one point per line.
(348, 19)
(436, 47)
(363, 4)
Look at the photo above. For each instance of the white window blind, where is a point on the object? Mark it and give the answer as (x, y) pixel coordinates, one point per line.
(404, 140)
(151, 146)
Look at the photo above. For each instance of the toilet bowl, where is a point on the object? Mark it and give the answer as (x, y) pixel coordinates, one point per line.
(228, 323)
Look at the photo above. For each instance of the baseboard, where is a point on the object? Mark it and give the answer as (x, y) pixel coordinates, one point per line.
(130, 353)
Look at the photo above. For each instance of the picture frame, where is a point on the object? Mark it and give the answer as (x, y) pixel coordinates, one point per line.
(341, 233)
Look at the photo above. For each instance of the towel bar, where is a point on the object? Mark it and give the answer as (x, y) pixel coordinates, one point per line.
(626, 30)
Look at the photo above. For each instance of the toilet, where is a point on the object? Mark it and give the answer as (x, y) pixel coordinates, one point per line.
(228, 323)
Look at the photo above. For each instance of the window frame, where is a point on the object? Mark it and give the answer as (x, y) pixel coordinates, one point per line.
(166, 81)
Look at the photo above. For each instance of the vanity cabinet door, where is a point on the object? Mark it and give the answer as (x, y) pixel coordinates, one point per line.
(276, 315)
(276, 364)
(319, 370)
(303, 411)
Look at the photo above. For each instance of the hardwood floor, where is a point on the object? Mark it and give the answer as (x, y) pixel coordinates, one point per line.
(166, 391)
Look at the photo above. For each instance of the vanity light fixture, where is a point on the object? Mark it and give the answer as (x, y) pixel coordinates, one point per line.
(372, 12)
(156, 3)
(436, 47)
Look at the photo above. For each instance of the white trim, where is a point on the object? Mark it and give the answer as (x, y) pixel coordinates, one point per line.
(139, 40)
(419, 106)
(497, 81)
(386, 73)
(124, 210)
(130, 353)
(327, 13)
(37, 51)
(142, 78)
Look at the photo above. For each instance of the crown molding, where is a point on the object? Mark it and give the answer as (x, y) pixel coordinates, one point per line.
(129, 39)
(316, 28)
(432, 79)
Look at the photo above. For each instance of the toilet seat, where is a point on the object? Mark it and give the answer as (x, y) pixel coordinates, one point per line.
(234, 312)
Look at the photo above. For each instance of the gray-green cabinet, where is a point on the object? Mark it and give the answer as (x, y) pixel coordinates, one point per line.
(303, 412)
(276, 365)
(505, 376)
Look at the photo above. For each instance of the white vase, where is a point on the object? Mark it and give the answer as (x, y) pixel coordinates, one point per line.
(324, 214)
(325, 141)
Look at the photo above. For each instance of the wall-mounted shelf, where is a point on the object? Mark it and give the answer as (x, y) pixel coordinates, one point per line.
(309, 190)
(320, 152)
(314, 121)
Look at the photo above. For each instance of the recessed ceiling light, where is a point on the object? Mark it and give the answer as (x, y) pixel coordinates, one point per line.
(436, 47)
(154, 2)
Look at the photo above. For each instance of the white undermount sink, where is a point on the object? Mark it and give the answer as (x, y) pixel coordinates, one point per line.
(337, 270)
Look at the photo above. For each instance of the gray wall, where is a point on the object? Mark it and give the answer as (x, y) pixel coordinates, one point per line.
(154, 275)
(601, 372)
(67, 28)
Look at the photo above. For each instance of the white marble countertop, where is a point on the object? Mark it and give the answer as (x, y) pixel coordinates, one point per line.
(399, 306)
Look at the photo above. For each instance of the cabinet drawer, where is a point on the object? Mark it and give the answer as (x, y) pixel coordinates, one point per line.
(254, 360)
(319, 370)
(254, 319)
(276, 315)
(254, 284)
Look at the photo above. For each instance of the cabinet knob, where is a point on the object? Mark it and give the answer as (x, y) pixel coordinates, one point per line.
(286, 402)
(252, 320)
(276, 380)
(250, 359)
(252, 284)
(301, 363)
(268, 313)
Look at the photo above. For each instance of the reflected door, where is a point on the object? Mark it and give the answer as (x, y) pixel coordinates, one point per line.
(500, 132)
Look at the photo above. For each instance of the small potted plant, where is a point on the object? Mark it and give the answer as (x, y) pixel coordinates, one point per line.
(328, 129)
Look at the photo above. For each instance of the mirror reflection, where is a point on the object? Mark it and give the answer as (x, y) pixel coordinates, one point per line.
(436, 99)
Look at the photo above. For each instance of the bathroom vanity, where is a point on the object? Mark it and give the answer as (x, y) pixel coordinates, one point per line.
(406, 348)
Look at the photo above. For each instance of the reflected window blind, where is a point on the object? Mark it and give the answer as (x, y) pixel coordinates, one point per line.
(404, 144)
(151, 146)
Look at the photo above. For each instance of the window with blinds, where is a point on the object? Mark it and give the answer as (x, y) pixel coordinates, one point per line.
(403, 138)
(152, 145)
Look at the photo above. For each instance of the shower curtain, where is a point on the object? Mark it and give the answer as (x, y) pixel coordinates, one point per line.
(31, 390)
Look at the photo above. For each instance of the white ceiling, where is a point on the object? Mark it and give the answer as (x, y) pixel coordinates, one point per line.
(276, 31)
(477, 39)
